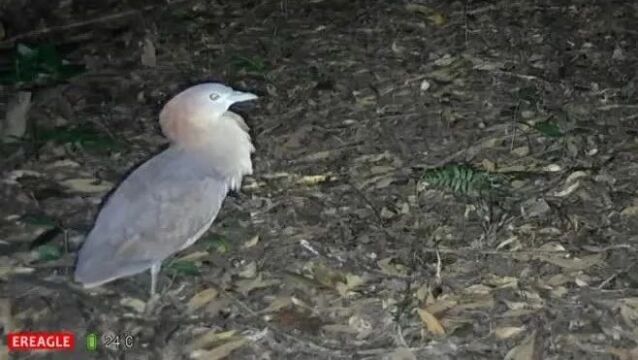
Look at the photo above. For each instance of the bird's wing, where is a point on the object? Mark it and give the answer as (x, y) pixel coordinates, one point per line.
(159, 209)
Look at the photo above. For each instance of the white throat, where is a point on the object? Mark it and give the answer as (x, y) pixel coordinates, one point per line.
(229, 147)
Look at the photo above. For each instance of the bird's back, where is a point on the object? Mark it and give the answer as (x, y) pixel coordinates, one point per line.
(160, 208)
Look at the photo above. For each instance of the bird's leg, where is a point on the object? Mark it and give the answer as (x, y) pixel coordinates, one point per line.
(154, 271)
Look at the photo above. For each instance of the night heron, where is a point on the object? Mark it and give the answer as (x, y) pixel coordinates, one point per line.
(168, 202)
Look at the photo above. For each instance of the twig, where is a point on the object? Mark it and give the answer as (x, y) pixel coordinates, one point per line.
(365, 199)
(54, 29)
(615, 275)
(439, 266)
(617, 106)
(517, 75)
(79, 24)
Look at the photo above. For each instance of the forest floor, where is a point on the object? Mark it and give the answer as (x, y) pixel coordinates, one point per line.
(440, 180)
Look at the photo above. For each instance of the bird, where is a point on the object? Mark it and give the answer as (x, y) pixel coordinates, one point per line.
(167, 203)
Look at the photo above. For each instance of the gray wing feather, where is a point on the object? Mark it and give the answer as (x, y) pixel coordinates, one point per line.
(154, 213)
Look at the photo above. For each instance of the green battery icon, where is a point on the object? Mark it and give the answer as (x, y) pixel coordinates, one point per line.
(92, 342)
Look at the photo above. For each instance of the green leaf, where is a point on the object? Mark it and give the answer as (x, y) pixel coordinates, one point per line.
(548, 128)
(254, 65)
(217, 243)
(183, 268)
(462, 179)
(38, 219)
(530, 94)
(38, 64)
(84, 136)
(49, 252)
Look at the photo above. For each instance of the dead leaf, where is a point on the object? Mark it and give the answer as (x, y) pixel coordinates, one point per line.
(630, 211)
(390, 268)
(326, 276)
(194, 256)
(431, 322)
(246, 286)
(319, 156)
(501, 282)
(200, 299)
(252, 242)
(15, 121)
(210, 338)
(219, 352)
(521, 151)
(402, 354)
(441, 305)
(488, 165)
(552, 168)
(312, 180)
(567, 190)
(87, 185)
(339, 328)
(572, 264)
(149, 55)
(525, 350)
(248, 271)
(386, 213)
(624, 354)
(434, 17)
(352, 281)
(133, 303)
(508, 332)
(5, 315)
(277, 304)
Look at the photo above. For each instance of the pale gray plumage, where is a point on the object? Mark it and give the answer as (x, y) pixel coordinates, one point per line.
(167, 203)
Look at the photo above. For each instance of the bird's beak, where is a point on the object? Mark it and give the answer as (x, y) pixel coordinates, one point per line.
(239, 96)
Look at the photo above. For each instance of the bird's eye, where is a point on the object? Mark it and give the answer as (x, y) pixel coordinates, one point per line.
(213, 96)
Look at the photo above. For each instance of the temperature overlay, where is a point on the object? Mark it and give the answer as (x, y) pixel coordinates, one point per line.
(110, 340)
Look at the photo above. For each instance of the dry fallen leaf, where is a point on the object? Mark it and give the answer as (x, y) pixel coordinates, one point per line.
(277, 304)
(630, 211)
(194, 256)
(5, 315)
(248, 271)
(572, 264)
(87, 185)
(525, 350)
(209, 338)
(431, 322)
(15, 120)
(402, 354)
(252, 242)
(149, 56)
(434, 17)
(133, 303)
(352, 281)
(567, 190)
(311, 180)
(219, 352)
(246, 286)
(508, 332)
(200, 299)
(389, 268)
(624, 354)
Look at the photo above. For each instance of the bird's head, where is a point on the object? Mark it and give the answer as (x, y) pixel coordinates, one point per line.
(186, 118)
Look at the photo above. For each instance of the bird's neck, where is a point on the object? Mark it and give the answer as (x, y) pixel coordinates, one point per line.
(227, 147)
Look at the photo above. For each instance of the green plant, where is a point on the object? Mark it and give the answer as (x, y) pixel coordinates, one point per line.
(40, 64)
(182, 267)
(252, 65)
(463, 179)
(84, 136)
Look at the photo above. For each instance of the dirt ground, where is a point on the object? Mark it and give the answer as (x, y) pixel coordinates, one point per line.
(338, 247)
